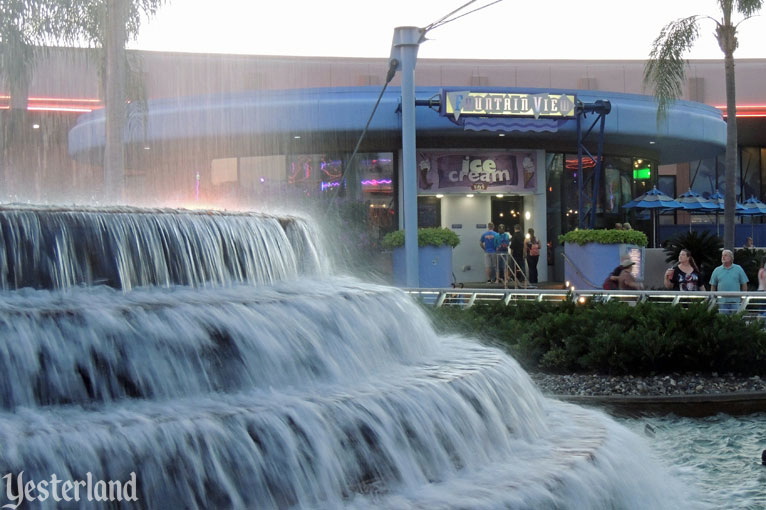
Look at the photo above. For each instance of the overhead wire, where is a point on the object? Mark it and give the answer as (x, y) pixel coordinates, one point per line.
(393, 65)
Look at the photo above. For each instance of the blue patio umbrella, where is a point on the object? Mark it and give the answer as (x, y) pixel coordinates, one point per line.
(753, 207)
(653, 200)
(718, 198)
(695, 203)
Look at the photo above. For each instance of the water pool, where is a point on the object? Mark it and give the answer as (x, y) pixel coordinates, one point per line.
(720, 455)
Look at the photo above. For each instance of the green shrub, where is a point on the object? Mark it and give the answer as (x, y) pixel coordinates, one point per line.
(613, 337)
(586, 236)
(436, 236)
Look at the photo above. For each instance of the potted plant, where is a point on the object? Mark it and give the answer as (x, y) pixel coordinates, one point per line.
(591, 254)
(434, 256)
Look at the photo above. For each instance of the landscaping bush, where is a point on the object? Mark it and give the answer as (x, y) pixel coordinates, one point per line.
(613, 337)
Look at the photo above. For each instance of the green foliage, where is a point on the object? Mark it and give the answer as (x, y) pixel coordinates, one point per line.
(613, 337)
(610, 236)
(704, 247)
(436, 236)
(665, 70)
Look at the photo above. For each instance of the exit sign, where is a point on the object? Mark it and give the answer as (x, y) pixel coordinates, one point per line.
(641, 173)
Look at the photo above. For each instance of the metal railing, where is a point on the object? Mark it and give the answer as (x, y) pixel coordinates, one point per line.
(753, 304)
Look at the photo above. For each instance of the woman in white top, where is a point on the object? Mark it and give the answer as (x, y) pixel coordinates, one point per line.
(762, 276)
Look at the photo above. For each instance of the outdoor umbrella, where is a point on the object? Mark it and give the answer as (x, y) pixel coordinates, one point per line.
(753, 207)
(718, 198)
(653, 199)
(695, 203)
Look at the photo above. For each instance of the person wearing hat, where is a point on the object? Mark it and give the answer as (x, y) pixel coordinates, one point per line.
(626, 280)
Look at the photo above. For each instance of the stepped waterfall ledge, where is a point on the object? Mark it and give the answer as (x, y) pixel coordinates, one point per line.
(218, 359)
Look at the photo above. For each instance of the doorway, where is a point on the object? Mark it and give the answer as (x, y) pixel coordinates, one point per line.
(508, 210)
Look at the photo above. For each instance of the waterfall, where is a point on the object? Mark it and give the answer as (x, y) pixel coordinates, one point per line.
(54, 248)
(248, 388)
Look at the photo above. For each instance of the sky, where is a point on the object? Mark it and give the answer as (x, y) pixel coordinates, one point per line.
(509, 29)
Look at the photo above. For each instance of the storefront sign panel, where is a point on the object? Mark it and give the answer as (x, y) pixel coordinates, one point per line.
(493, 104)
(461, 172)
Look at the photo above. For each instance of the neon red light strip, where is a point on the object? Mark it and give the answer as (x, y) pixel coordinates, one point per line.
(57, 109)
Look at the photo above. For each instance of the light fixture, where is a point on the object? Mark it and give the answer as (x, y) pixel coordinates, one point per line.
(470, 195)
(652, 142)
(35, 126)
(146, 148)
(297, 137)
(499, 195)
(501, 215)
(527, 215)
(501, 134)
(439, 196)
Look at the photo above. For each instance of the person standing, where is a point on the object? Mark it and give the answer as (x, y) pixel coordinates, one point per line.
(685, 275)
(502, 241)
(518, 252)
(762, 276)
(728, 277)
(626, 280)
(487, 243)
(533, 255)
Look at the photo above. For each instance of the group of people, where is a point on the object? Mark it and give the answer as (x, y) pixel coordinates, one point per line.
(497, 245)
(685, 275)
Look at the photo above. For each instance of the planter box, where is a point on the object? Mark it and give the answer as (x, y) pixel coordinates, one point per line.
(586, 266)
(434, 266)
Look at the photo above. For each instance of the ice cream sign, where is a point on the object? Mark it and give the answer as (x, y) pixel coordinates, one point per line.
(493, 104)
(458, 172)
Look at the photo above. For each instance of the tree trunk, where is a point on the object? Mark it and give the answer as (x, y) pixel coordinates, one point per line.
(731, 154)
(114, 149)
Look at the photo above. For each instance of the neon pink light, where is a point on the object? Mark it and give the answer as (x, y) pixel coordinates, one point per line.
(375, 182)
(58, 109)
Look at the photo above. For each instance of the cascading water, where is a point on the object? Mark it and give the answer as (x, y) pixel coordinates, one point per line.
(302, 391)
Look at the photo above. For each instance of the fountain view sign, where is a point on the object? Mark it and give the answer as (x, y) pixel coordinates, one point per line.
(501, 104)
(462, 171)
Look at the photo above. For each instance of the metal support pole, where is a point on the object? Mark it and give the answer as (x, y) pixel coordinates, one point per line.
(597, 170)
(580, 190)
(405, 46)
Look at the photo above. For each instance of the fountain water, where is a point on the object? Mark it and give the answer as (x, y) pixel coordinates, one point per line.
(223, 367)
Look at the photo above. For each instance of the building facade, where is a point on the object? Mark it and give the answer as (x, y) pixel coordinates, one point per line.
(252, 131)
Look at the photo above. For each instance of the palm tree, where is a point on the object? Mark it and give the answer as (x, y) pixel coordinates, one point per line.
(666, 70)
(27, 25)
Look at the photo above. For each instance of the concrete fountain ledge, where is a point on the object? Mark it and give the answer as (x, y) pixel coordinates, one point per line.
(685, 395)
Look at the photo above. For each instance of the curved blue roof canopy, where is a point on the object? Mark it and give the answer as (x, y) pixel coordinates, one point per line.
(333, 118)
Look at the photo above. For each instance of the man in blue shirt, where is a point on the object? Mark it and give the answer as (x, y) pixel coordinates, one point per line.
(487, 243)
(502, 241)
(728, 277)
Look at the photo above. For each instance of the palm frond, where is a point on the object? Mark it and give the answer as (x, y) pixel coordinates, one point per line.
(748, 8)
(666, 68)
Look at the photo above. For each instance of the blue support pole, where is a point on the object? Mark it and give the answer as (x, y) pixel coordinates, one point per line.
(405, 46)
(580, 190)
